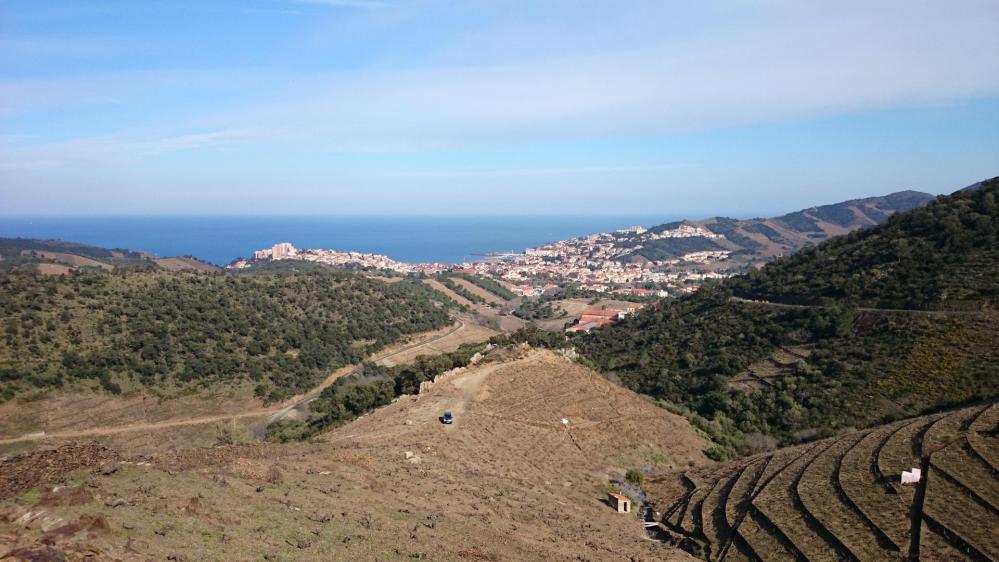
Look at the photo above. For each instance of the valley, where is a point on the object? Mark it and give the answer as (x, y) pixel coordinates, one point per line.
(153, 409)
(546, 281)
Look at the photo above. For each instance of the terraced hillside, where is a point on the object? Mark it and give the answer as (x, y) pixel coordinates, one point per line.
(883, 324)
(841, 498)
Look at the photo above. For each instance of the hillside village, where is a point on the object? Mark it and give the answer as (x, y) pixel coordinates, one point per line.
(592, 262)
(673, 258)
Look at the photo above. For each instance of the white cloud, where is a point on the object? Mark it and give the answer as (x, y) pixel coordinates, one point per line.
(789, 61)
(869, 60)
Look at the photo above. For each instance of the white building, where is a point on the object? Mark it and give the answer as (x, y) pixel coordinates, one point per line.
(282, 251)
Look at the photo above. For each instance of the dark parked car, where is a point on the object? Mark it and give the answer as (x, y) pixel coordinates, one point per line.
(447, 418)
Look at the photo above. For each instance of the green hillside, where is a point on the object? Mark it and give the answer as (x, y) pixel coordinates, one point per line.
(793, 372)
(170, 331)
(944, 256)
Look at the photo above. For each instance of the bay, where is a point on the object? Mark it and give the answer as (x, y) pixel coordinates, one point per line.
(220, 239)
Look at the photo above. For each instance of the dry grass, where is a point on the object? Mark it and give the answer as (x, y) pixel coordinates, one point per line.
(507, 481)
(471, 333)
(71, 259)
(439, 287)
(185, 264)
(88, 413)
(840, 498)
(53, 269)
(475, 289)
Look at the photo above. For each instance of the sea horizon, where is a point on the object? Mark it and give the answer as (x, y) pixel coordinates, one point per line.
(220, 239)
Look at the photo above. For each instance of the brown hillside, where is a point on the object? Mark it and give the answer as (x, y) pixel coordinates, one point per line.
(841, 498)
(506, 481)
(185, 264)
(72, 260)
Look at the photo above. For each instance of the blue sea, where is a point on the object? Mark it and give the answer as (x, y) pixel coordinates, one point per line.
(219, 240)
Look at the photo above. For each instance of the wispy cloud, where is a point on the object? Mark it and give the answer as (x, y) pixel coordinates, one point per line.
(110, 150)
(794, 64)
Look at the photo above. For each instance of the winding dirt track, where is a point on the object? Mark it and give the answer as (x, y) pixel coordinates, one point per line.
(864, 308)
(297, 403)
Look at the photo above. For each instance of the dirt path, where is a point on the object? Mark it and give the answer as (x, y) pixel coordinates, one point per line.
(301, 405)
(863, 308)
(298, 403)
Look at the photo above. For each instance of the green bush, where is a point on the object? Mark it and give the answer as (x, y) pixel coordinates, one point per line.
(635, 477)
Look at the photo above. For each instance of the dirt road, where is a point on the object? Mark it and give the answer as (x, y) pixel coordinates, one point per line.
(301, 406)
(863, 308)
(299, 403)
(507, 481)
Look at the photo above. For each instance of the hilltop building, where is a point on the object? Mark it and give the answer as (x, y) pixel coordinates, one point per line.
(282, 251)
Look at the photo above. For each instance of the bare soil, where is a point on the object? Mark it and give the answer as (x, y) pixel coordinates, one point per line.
(507, 481)
(185, 264)
(72, 259)
(53, 269)
(76, 413)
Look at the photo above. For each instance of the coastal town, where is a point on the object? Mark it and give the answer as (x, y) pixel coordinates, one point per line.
(601, 262)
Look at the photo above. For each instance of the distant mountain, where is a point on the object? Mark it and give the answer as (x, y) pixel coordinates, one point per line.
(944, 255)
(763, 238)
(882, 323)
(59, 256)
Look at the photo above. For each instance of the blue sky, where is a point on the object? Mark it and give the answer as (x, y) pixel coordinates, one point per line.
(471, 107)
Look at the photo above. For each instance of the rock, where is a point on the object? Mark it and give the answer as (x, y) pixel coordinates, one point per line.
(109, 468)
(65, 496)
(409, 422)
(409, 454)
(115, 502)
(94, 522)
(40, 554)
(50, 522)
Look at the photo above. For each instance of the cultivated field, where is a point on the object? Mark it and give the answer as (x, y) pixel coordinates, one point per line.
(439, 287)
(507, 481)
(841, 498)
(475, 289)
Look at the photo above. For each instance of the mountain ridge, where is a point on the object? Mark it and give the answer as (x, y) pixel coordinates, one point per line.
(886, 322)
(765, 238)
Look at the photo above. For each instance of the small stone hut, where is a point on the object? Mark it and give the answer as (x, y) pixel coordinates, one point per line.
(620, 502)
